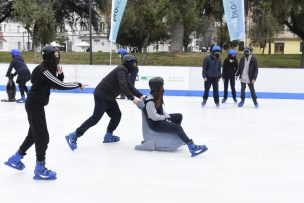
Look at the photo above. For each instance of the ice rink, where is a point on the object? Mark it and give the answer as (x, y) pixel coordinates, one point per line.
(254, 156)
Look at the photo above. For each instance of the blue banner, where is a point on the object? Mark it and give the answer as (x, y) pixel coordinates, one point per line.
(118, 8)
(235, 17)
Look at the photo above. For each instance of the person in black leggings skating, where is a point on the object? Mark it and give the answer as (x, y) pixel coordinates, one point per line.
(48, 75)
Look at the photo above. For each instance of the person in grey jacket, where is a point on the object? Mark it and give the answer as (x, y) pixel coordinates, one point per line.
(212, 74)
(160, 121)
(248, 73)
(112, 85)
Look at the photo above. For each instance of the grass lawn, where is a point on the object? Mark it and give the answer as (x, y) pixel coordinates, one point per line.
(163, 58)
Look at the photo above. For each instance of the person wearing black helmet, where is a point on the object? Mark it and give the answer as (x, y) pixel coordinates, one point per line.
(160, 121)
(48, 75)
(112, 85)
(248, 73)
(230, 67)
(21, 69)
(212, 74)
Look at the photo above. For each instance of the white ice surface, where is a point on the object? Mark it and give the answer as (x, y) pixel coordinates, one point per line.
(254, 156)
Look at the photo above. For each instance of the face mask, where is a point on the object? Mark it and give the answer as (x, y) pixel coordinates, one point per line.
(217, 54)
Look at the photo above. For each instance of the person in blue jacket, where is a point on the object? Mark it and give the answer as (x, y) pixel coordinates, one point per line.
(46, 76)
(212, 74)
(21, 70)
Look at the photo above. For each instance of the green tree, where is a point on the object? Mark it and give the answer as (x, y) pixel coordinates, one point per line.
(290, 13)
(264, 25)
(6, 9)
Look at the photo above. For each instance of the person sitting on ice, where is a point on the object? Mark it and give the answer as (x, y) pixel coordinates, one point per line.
(21, 69)
(160, 121)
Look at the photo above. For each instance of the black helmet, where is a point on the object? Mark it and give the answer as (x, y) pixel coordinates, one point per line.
(48, 49)
(156, 82)
(127, 58)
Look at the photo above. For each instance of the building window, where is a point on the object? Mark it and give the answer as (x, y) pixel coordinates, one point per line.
(279, 48)
(302, 47)
(19, 45)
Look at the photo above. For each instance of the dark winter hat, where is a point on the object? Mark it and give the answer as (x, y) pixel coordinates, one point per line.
(127, 58)
(15, 52)
(156, 82)
(48, 49)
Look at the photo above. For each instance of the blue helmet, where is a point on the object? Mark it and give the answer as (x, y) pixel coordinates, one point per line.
(216, 48)
(15, 52)
(232, 52)
(122, 51)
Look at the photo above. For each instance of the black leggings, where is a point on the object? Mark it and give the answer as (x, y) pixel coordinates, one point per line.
(22, 87)
(38, 132)
(173, 126)
(102, 106)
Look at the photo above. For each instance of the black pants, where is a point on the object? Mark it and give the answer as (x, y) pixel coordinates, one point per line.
(102, 106)
(214, 82)
(173, 126)
(232, 85)
(252, 91)
(38, 132)
(22, 87)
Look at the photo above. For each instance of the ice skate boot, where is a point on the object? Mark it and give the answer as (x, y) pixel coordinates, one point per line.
(15, 161)
(241, 103)
(42, 173)
(109, 137)
(196, 149)
(21, 100)
(71, 139)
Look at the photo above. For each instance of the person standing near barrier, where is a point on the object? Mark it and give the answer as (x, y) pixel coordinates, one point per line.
(21, 69)
(230, 66)
(115, 83)
(48, 75)
(212, 74)
(248, 73)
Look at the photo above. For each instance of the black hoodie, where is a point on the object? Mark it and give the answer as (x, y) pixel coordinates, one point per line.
(115, 83)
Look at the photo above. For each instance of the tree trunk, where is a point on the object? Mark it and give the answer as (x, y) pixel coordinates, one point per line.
(145, 45)
(177, 37)
(302, 60)
(269, 46)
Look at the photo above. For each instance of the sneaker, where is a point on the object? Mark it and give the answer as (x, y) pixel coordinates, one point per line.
(15, 161)
(224, 101)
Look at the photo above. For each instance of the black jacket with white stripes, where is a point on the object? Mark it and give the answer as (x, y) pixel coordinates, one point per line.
(43, 80)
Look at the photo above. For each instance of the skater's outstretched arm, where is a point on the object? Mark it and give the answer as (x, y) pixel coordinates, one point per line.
(58, 84)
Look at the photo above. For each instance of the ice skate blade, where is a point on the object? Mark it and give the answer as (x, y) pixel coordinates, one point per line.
(195, 154)
(15, 167)
(39, 177)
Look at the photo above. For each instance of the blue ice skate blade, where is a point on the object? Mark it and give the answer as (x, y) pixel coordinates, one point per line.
(195, 154)
(13, 166)
(39, 177)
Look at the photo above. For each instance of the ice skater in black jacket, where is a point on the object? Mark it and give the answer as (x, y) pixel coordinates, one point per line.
(48, 75)
(115, 83)
(21, 69)
(230, 66)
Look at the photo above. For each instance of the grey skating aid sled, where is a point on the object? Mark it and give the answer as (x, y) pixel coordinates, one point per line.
(157, 141)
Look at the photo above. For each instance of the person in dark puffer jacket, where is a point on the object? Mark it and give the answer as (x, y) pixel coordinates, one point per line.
(21, 70)
(48, 75)
(115, 83)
